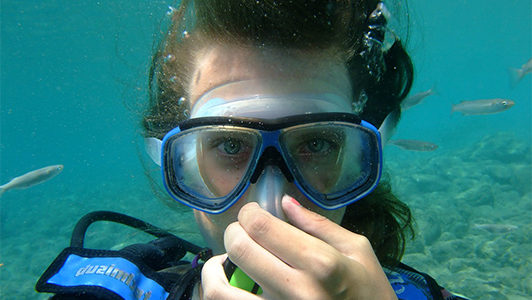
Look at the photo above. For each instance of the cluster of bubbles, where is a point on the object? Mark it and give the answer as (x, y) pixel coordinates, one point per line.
(170, 58)
(358, 106)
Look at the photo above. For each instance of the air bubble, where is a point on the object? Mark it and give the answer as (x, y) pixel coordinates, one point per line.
(181, 100)
(173, 79)
(169, 58)
(170, 11)
(185, 34)
(186, 113)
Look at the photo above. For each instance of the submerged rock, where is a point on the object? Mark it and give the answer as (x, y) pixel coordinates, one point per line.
(505, 147)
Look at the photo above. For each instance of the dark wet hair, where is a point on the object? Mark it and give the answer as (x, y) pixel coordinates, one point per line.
(386, 221)
(318, 25)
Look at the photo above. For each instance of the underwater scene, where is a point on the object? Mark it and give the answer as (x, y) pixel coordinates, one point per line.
(74, 76)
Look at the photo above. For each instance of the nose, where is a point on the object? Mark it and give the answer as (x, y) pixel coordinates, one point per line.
(268, 190)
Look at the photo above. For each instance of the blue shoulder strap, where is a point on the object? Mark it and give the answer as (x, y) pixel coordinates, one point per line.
(105, 274)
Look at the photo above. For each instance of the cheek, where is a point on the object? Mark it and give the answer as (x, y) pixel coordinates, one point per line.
(334, 215)
(212, 226)
(219, 180)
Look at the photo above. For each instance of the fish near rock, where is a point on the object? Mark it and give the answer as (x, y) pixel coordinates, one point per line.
(482, 107)
(496, 228)
(414, 145)
(32, 178)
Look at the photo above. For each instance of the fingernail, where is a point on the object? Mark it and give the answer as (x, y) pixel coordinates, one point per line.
(291, 199)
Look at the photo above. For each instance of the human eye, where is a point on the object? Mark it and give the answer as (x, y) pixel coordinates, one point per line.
(319, 144)
(230, 146)
(231, 149)
(315, 146)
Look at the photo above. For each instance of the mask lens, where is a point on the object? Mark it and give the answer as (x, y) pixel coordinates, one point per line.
(209, 165)
(331, 161)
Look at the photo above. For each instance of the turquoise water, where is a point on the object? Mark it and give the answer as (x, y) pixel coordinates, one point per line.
(67, 67)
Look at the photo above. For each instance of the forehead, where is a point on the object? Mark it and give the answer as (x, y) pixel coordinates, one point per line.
(298, 71)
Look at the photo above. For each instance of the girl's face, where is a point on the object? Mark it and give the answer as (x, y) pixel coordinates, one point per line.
(269, 72)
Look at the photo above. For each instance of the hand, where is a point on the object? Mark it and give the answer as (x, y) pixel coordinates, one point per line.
(310, 258)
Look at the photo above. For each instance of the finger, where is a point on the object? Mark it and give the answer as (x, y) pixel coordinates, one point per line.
(322, 228)
(319, 267)
(315, 265)
(251, 257)
(276, 278)
(362, 260)
(214, 283)
(291, 245)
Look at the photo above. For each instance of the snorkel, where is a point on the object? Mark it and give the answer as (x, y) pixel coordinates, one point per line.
(268, 191)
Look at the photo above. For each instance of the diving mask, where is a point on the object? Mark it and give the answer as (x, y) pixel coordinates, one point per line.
(267, 144)
(334, 159)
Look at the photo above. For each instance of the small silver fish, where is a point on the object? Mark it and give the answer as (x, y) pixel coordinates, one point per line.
(517, 74)
(496, 228)
(482, 107)
(32, 178)
(413, 145)
(417, 98)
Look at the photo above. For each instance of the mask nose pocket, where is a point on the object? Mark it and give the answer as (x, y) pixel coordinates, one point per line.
(269, 182)
(268, 190)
